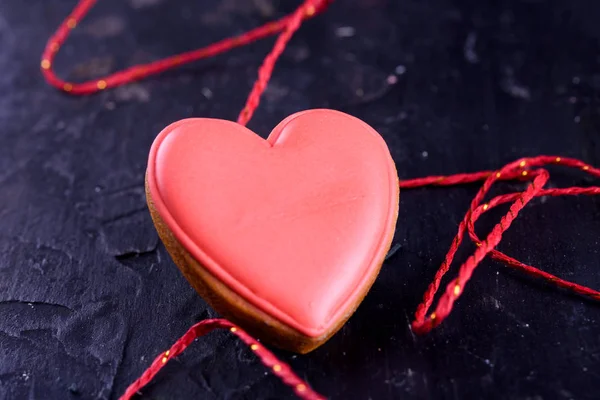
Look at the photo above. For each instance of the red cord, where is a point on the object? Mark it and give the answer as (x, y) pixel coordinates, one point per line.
(202, 328)
(520, 169)
(288, 24)
(526, 169)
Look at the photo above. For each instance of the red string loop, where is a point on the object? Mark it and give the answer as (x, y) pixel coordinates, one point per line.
(202, 328)
(520, 169)
(287, 25)
(527, 169)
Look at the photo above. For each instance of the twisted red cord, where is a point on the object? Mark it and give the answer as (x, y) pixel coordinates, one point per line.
(288, 24)
(581, 290)
(519, 169)
(526, 169)
(204, 327)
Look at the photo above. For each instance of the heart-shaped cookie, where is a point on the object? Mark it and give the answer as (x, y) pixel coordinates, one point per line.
(284, 236)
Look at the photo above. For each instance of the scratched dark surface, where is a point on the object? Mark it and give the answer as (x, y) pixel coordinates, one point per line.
(88, 295)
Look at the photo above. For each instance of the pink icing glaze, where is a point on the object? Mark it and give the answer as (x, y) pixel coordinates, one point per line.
(296, 224)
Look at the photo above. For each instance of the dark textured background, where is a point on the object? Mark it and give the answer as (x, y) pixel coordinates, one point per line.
(88, 296)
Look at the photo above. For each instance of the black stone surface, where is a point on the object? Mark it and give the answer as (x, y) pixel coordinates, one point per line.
(88, 295)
